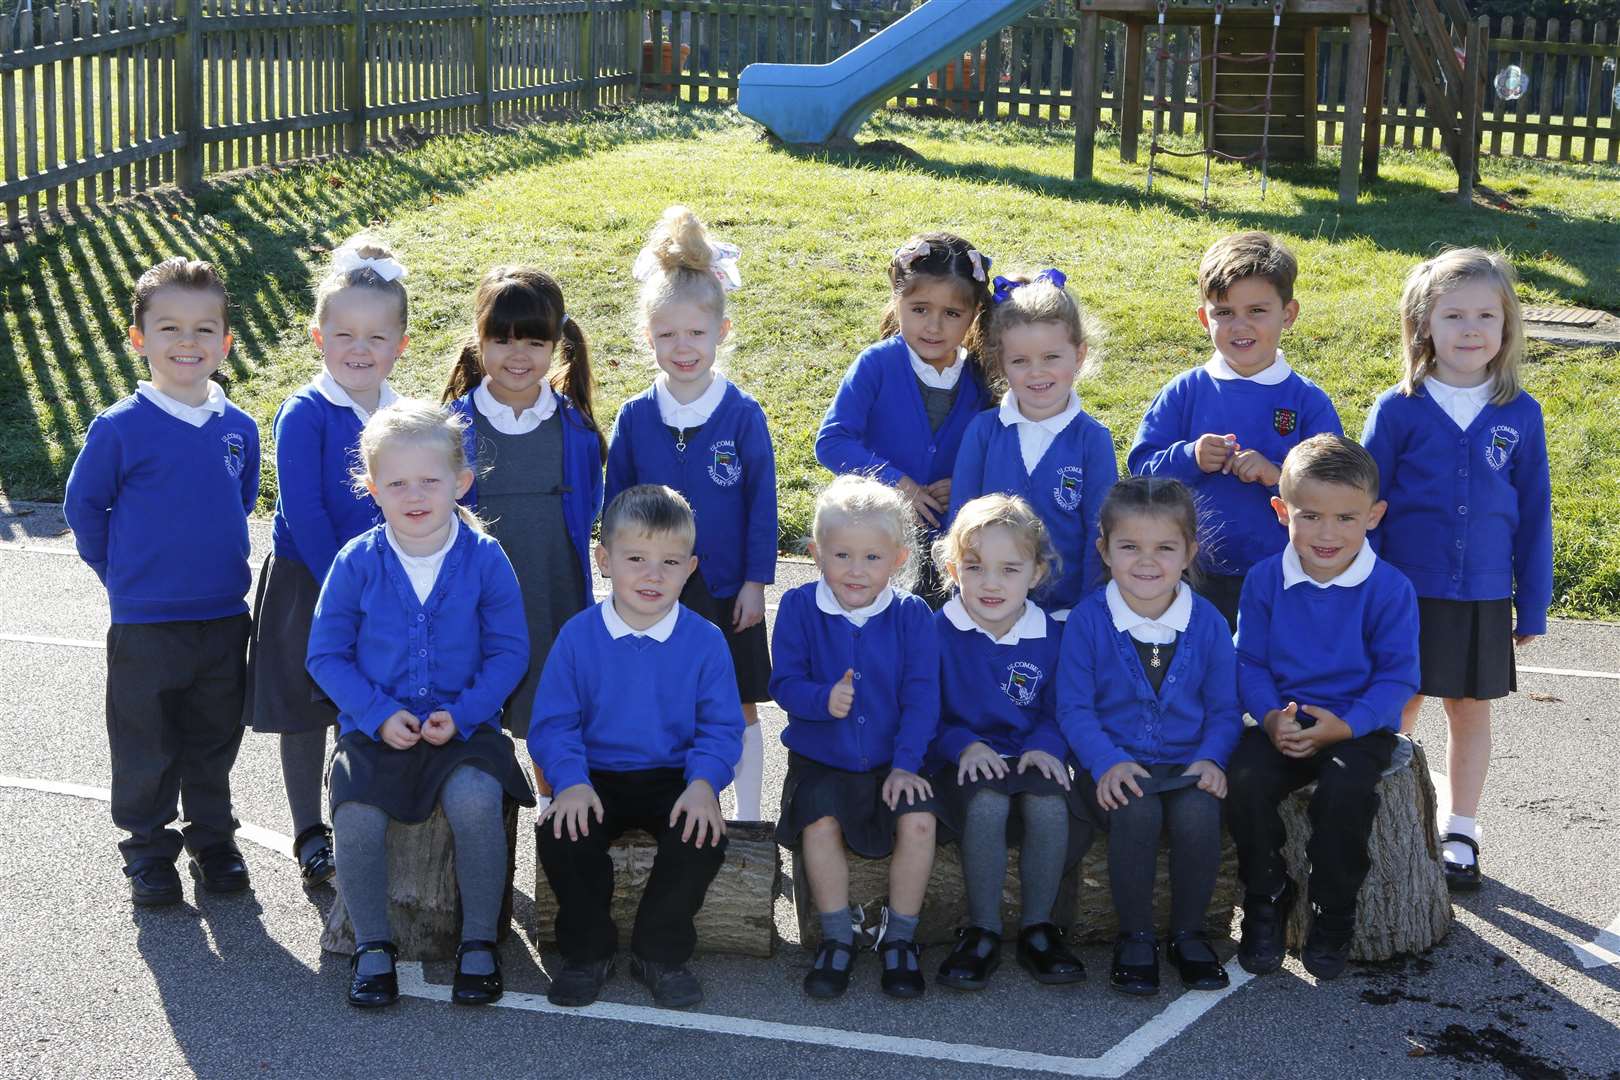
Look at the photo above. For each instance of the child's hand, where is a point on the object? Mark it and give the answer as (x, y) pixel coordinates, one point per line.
(1048, 766)
(1116, 781)
(979, 761)
(1212, 452)
(1281, 725)
(941, 491)
(1524, 639)
(909, 784)
(842, 697)
(750, 606)
(573, 805)
(702, 810)
(923, 501)
(401, 731)
(1325, 730)
(1210, 777)
(439, 727)
(1253, 467)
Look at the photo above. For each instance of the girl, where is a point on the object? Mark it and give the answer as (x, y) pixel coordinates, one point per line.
(1462, 456)
(1147, 699)
(523, 385)
(360, 318)
(999, 740)
(1040, 444)
(696, 432)
(857, 671)
(904, 403)
(418, 638)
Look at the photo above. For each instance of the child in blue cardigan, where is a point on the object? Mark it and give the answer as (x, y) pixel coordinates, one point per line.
(1147, 698)
(857, 671)
(1224, 428)
(158, 501)
(1040, 444)
(418, 638)
(360, 320)
(904, 404)
(1327, 657)
(696, 432)
(1462, 452)
(999, 748)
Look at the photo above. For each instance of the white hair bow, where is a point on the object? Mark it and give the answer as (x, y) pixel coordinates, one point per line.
(346, 260)
(723, 265)
(910, 252)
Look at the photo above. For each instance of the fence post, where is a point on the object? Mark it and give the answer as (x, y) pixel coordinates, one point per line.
(992, 77)
(587, 61)
(483, 75)
(1083, 104)
(354, 77)
(635, 28)
(188, 111)
(820, 20)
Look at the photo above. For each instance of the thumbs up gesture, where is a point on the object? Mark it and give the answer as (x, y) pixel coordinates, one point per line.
(842, 697)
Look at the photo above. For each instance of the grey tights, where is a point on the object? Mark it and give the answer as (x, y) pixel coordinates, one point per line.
(303, 768)
(1040, 857)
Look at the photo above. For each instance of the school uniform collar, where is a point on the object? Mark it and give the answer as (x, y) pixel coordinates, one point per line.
(693, 413)
(933, 378)
(1461, 403)
(1359, 570)
(195, 415)
(329, 389)
(422, 571)
(618, 628)
(1160, 631)
(1030, 625)
(500, 416)
(1218, 368)
(1011, 415)
(828, 602)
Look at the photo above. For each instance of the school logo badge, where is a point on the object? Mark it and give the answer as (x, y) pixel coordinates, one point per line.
(1023, 682)
(1504, 440)
(1284, 421)
(725, 467)
(235, 453)
(1067, 492)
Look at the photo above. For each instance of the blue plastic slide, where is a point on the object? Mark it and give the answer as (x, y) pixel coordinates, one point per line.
(817, 103)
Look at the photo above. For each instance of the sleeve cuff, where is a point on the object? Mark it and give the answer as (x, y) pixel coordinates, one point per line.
(1360, 719)
(378, 715)
(703, 767)
(566, 776)
(1529, 621)
(1108, 761)
(910, 762)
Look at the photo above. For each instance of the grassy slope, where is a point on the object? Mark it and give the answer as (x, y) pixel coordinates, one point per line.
(577, 200)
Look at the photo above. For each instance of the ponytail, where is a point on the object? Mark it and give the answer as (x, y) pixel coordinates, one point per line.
(571, 377)
(465, 373)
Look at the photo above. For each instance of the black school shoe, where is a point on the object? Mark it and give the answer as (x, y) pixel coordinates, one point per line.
(973, 961)
(373, 991)
(320, 867)
(470, 989)
(1196, 962)
(1327, 947)
(580, 983)
(153, 882)
(1137, 980)
(672, 985)
(1460, 877)
(900, 979)
(1043, 954)
(824, 981)
(220, 869)
(1265, 930)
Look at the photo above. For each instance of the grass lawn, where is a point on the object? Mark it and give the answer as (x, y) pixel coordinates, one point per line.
(816, 230)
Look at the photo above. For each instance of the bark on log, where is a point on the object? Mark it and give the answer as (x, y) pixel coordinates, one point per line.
(737, 915)
(424, 905)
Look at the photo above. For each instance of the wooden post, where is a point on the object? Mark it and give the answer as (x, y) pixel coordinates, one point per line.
(1311, 102)
(354, 77)
(1130, 91)
(1468, 114)
(1374, 137)
(992, 77)
(820, 27)
(1083, 105)
(587, 59)
(188, 112)
(635, 27)
(1355, 102)
(483, 34)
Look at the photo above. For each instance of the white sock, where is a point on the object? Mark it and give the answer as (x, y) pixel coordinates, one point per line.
(541, 802)
(1452, 850)
(750, 775)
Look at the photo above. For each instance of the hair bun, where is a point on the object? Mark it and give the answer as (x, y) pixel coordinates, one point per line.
(680, 242)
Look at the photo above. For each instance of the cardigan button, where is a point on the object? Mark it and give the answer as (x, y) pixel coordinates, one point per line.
(857, 674)
(420, 617)
(421, 652)
(1462, 510)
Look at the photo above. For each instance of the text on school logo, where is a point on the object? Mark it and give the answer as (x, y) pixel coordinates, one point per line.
(1070, 479)
(725, 467)
(1499, 451)
(235, 453)
(1023, 682)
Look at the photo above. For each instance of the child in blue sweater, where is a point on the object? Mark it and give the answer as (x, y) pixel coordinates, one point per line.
(904, 404)
(360, 318)
(418, 638)
(857, 671)
(1147, 698)
(999, 743)
(158, 501)
(696, 432)
(1462, 452)
(1327, 657)
(1040, 444)
(1223, 429)
(636, 724)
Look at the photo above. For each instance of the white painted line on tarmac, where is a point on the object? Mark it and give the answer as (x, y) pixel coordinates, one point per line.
(1602, 950)
(67, 643)
(1572, 672)
(38, 549)
(1125, 1056)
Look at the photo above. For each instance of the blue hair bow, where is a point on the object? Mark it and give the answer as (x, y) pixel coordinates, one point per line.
(1006, 287)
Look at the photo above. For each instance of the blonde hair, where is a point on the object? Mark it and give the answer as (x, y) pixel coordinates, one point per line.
(1446, 272)
(362, 277)
(1008, 512)
(853, 499)
(683, 262)
(650, 509)
(1038, 300)
(421, 423)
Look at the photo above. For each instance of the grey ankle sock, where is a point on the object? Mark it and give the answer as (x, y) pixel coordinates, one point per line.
(900, 928)
(478, 962)
(374, 963)
(836, 926)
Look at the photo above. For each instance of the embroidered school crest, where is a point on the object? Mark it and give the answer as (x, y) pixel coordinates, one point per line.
(1284, 421)
(235, 453)
(1023, 682)
(1067, 492)
(1499, 451)
(725, 467)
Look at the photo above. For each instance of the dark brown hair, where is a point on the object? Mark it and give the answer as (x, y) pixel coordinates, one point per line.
(949, 258)
(1157, 495)
(179, 273)
(1245, 255)
(1329, 459)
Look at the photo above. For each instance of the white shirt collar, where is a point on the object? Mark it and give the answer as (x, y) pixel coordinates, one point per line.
(195, 415)
(827, 601)
(500, 416)
(1359, 570)
(1031, 624)
(932, 378)
(694, 413)
(618, 628)
(329, 389)
(1160, 631)
(423, 570)
(1011, 414)
(1218, 368)
(1461, 403)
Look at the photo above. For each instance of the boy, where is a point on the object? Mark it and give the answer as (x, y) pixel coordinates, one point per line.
(158, 502)
(1327, 656)
(636, 724)
(1224, 428)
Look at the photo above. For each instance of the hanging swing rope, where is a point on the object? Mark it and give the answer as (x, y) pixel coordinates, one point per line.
(1162, 54)
(1271, 71)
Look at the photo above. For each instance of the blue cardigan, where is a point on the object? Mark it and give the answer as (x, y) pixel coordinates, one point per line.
(1066, 489)
(896, 661)
(1238, 527)
(376, 650)
(582, 474)
(728, 475)
(1470, 512)
(317, 507)
(1109, 712)
(1004, 696)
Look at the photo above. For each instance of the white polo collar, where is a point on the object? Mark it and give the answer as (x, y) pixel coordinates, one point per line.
(195, 415)
(423, 570)
(930, 376)
(1010, 414)
(1160, 631)
(693, 413)
(827, 601)
(1359, 570)
(1030, 624)
(618, 628)
(500, 416)
(1461, 403)
(1218, 368)
(332, 391)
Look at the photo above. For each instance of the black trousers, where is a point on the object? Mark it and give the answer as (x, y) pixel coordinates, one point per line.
(581, 872)
(1259, 777)
(174, 723)
(1224, 591)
